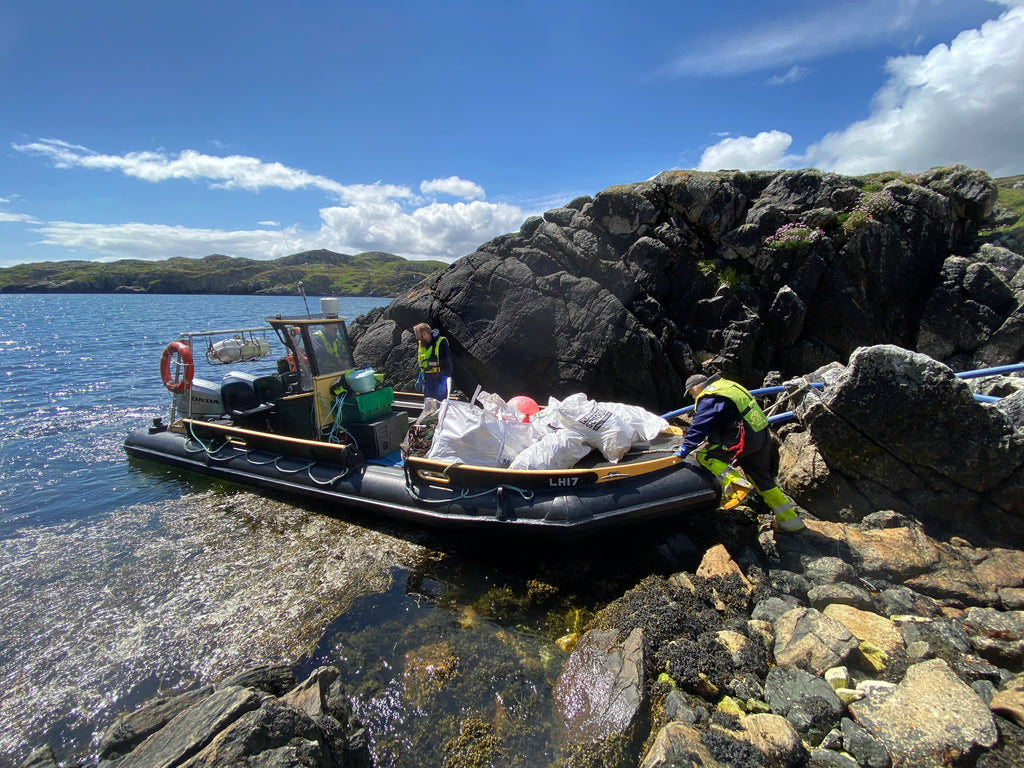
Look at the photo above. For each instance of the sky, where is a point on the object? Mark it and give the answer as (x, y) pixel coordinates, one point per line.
(260, 129)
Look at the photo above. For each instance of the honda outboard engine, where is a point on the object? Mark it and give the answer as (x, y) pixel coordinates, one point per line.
(204, 399)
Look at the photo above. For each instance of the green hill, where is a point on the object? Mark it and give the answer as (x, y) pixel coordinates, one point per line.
(323, 273)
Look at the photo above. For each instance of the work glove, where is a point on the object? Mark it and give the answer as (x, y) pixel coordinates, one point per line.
(419, 382)
(683, 452)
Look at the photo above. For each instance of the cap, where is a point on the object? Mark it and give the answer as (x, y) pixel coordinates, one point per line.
(696, 380)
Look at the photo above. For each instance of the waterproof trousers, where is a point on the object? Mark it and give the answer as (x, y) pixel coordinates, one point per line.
(755, 460)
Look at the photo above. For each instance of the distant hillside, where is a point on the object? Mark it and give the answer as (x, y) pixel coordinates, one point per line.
(1011, 198)
(323, 273)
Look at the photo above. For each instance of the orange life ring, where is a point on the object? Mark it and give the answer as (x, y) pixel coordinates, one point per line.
(173, 383)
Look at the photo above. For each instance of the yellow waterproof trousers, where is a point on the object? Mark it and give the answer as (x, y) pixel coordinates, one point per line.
(735, 488)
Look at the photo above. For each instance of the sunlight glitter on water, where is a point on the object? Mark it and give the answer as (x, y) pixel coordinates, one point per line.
(99, 616)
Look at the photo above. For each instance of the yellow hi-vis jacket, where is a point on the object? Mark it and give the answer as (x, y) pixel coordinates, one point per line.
(745, 403)
(430, 356)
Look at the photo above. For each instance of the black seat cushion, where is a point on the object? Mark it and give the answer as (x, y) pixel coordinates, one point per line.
(240, 400)
(269, 389)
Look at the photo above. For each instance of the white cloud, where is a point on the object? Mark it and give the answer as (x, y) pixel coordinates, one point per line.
(794, 75)
(232, 172)
(369, 217)
(959, 103)
(832, 28)
(15, 217)
(766, 151)
(136, 240)
(453, 186)
(426, 232)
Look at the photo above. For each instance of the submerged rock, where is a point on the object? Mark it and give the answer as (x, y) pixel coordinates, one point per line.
(600, 689)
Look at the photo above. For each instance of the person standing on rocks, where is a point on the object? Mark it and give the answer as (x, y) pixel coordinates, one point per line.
(435, 362)
(735, 428)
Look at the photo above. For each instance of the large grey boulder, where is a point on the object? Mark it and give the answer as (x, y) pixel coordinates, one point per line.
(903, 431)
(132, 728)
(807, 639)
(193, 729)
(257, 717)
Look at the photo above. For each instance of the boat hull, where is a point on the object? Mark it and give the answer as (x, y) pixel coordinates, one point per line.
(380, 490)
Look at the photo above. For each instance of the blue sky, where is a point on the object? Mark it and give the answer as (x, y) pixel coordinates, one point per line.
(258, 129)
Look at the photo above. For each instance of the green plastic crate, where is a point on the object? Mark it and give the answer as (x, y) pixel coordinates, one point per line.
(369, 405)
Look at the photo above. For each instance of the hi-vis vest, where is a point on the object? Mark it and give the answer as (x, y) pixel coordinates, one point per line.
(430, 357)
(332, 347)
(742, 399)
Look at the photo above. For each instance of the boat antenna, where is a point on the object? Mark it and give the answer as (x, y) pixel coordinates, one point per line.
(302, 290)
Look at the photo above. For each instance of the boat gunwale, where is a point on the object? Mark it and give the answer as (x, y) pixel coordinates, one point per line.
(434, 471)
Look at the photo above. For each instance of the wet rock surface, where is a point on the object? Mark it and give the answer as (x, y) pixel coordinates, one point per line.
(258, 717)
(857, 686)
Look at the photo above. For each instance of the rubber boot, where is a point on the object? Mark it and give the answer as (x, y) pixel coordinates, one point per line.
(784, 510)
(735, 486)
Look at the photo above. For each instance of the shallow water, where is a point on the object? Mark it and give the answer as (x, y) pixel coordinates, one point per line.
(122, 579)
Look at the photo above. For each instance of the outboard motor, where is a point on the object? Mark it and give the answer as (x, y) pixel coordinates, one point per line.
(204, 399)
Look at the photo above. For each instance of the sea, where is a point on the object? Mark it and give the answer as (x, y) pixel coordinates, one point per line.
(122, 580)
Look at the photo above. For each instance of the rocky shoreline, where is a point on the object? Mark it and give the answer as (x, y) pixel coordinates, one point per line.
(778, 650)
(878, 637)
(810, 650)
(891, 631)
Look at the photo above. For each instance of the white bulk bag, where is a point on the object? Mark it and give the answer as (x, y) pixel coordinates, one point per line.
(470, 435)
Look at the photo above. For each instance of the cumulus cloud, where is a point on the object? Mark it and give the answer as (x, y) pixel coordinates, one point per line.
(367, 217)
(767, 150)
(453, 186)
(962, 102)
(959, 103)
(452, 230)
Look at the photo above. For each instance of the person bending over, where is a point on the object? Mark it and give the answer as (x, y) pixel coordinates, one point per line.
(728, 417)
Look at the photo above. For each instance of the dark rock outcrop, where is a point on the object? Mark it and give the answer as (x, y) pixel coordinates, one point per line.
(625, 294)
(257, 717)
(897, 430)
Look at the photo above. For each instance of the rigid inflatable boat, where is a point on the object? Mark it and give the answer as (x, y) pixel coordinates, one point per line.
(320, 428)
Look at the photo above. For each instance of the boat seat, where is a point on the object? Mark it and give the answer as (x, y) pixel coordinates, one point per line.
(290, 379)
(269, 389)
(242, 404)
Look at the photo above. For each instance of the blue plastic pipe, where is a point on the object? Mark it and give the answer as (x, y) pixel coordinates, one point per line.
(976, 374)
(991, 371)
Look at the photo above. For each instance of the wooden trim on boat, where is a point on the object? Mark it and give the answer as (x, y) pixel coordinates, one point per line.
(292, 447)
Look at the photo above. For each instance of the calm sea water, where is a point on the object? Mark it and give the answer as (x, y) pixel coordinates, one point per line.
(120, 580)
